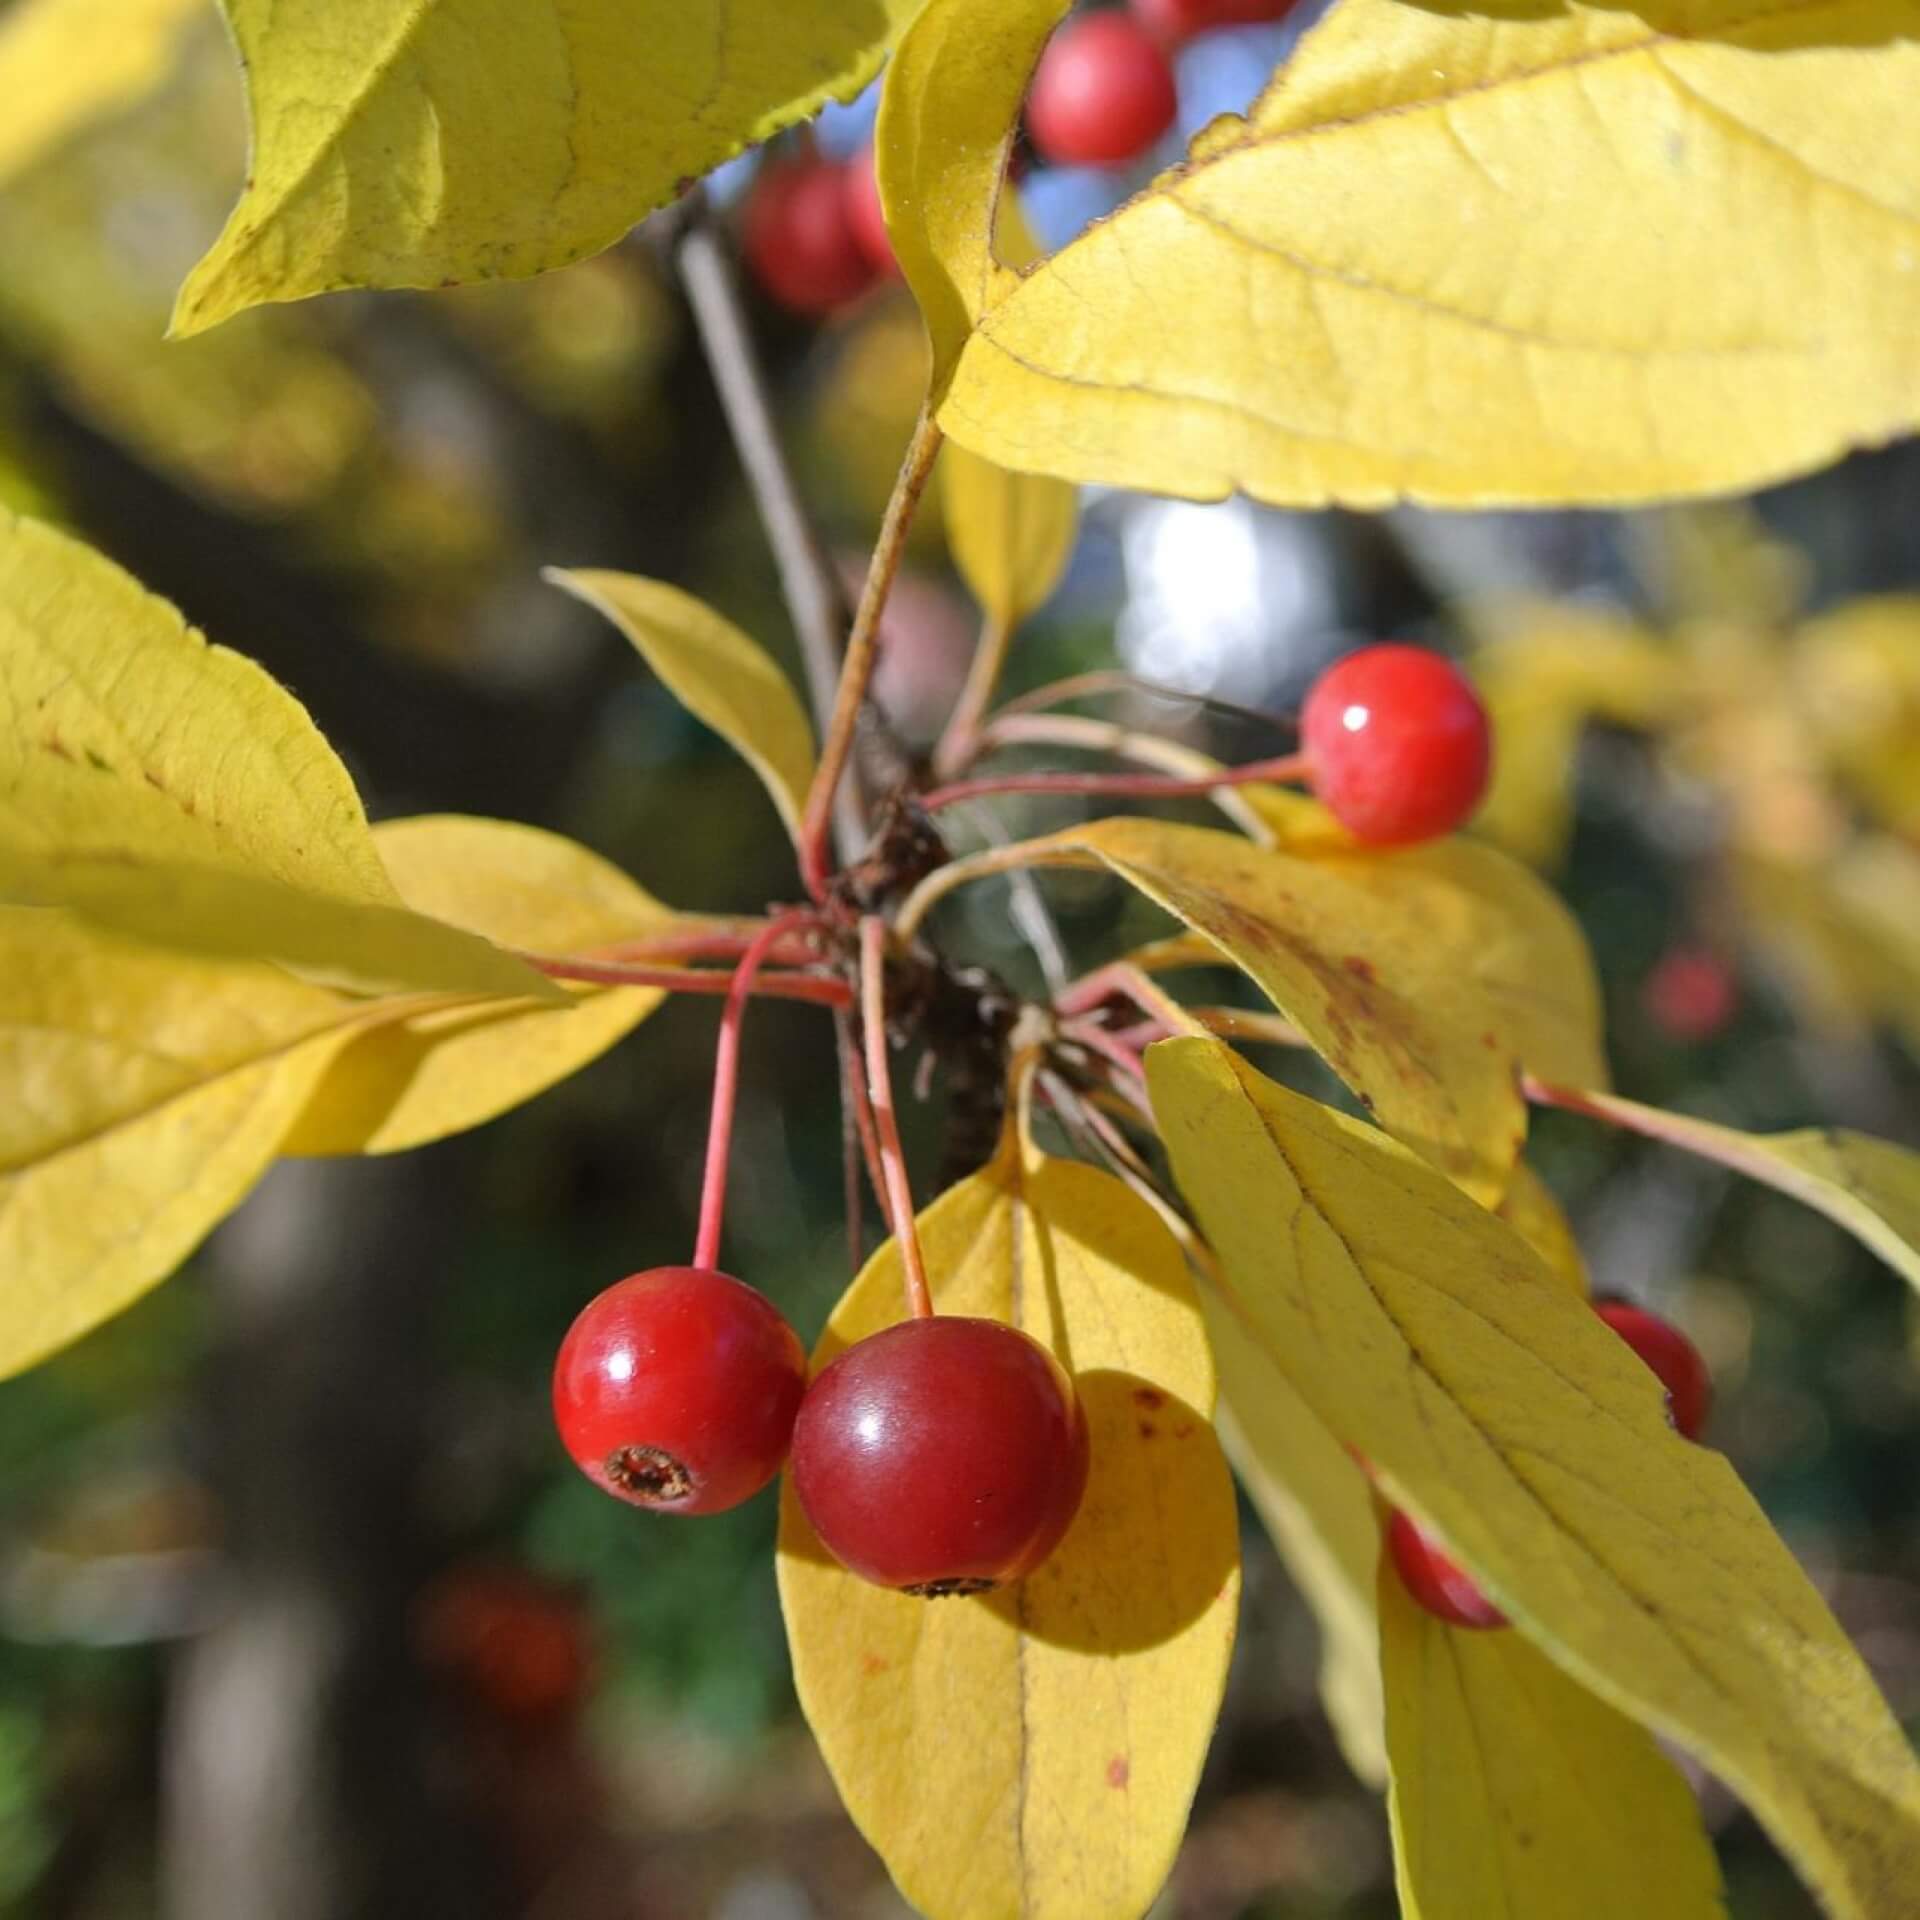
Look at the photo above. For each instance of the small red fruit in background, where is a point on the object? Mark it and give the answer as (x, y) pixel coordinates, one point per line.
(1102, 94)
(517, 1643)
(1174, 21)
(1434, 1579)
(942, 1455)
(677, 1388)
(1690, 994)
(1397, 744)
(1674, 1360)
(865, 215)
(798, 239)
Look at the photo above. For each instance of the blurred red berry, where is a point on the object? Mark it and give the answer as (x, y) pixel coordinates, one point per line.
(1102, 93)
(515, 1642)
(1434, 1579)
(1672, 1358)
(1397, 743)
(865, 214)
(1174, 21)
(1691, 994)
(799, 240)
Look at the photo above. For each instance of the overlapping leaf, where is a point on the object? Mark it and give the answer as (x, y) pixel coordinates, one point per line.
(716, 672)
(425, 1072)
(1515, 1791)
(456, 140)
(146, 1093)
(1033, 1753)
(1555, 254)
(168, 788)
(1011, 533)
(65, 64)
(1425, 977)
(1499, 1410)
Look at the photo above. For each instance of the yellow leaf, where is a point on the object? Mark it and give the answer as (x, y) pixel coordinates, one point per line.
(715, 672)
(1557, 255)
(425, 1073)
(1858, 670)
(1031, 1755)
(1870, 1187)
(947, 111)
(1503, 1413)
(66, 64)
(168, 788)
(1424, 976)
(147, 1092)
(1317, 1509)
(1011, 533)
(1515, 1791)
(1534, 1214)
(454, 140)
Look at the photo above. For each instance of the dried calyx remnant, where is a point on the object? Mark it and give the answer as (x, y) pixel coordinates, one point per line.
(649, 1473)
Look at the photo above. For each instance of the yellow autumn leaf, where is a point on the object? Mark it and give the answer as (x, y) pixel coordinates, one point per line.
(1317, 1509)
(715, 671)
(168, 788)
(947, 111)
(1515, 1791)
(146, 1094)
(1011, 534)
(1031, 1755)
(471, 141)
(1551, 255)
(1503, 1413)
(1857, 668)
(1425, 977)
(1870, 1187)
(1535, 1215)
(428, 1072)
(68, 64)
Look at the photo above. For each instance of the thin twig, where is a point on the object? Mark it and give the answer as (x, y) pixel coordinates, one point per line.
(863, 649)
(1145, 786)
(893, 1159)
(812, 589)
(820, 988)
(959, 742)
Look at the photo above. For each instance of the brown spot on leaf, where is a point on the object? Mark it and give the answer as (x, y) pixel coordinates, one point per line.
(1148, 1430)
(1149, 1397)
(1490, 1042)
(1184, 1431)
(1118, 1771)
(871, 1663)
(1360, 967)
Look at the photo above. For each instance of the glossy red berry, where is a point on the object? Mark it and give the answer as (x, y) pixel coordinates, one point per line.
(865, 215)
(1102, 93)
(677, 1388)
(798, 239)
(1690, 994)
(1673, 1359)
(943, 1455)
(1434, 1579)
(1175, 21)
(1397, 744)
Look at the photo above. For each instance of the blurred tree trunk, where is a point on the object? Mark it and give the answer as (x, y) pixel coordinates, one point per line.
(307, 1774)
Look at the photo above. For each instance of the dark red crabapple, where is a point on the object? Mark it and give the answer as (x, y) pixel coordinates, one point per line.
(1397, 744)
(1672, 1358)
(1175, 21)
(676, 1389)
(798, 240)
(942, 1455)
(1102, 94)
(1434, 1579)
(865, 214)
(1690, 995)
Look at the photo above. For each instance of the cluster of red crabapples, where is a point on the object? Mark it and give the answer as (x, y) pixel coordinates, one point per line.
(1430, 1573)
(942, 1454)
(1102, 96)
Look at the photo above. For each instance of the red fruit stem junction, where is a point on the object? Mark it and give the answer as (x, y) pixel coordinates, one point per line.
(893, 1160)
(726, 1080)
